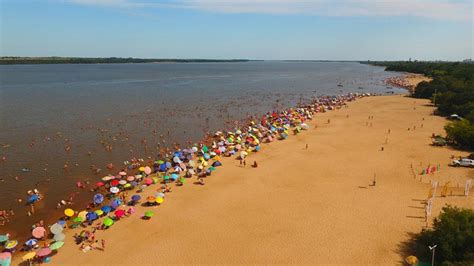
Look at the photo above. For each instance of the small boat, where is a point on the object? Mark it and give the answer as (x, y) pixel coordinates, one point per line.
(25, 170)
(360, 88)
(340, 85)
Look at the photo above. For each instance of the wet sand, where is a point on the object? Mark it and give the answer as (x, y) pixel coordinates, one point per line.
(300, 206)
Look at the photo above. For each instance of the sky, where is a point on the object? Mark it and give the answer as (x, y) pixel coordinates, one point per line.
(244, 29)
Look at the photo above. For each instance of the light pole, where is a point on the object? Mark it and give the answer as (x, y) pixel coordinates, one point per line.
(432, 248)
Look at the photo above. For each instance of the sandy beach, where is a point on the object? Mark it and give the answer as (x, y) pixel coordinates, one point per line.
(300, 205)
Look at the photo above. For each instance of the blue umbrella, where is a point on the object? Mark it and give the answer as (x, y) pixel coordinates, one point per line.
(168, 165)
(98, 198)
(134, 183)
(33, 198)
(106, 209)
(91, 216)
(136, 197)
(31, 242)
(163, 167)
(216, 163)
(115, 203)
(3, 238)
(174, 176)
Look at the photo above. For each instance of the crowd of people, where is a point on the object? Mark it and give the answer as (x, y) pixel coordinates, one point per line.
(112, 201)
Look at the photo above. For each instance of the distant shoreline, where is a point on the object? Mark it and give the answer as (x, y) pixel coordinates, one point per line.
(16, 60)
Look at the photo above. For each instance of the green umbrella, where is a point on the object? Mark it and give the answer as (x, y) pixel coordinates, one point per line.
(108, 222)
(212, 168)
(161, 162)
(149, 214)
(78, 220)
(56, 245)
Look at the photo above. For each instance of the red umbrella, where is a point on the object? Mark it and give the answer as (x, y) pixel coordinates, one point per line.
(43, 252)
(114, 182)
(119, 213)
(148, 181)
(100, 184)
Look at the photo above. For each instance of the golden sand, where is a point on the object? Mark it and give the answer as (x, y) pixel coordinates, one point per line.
(300, 206)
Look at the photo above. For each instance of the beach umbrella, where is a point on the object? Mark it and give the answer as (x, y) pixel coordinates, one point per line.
(98, 198)
(59, 237)
(131, 210)
(128, 185)
(99, 212)
(166, 177)
(31, 242)
(114, 190)
(108, 221)
(149, 214)
(115, 203)
(56, 245)
(106, 209)
(62, 223)
(69, 212)
(99, 184)
(5, 258)
(134, 183)
(82, 214)
(216, 164)
(78, 220)
(114, 182)
(91, 216)
(212, 168)
(106, 178)
(159, 200)
(3, 238)
(56, 228)
(39, 232)
(411, 260)
(119, 213)
(43, 252)
(141, 169)
(174, 176)
(122, 173)
(130, 178)
(11, 244)
(150, 199)
(136, 197)
(28, 256)
(161, 195)
(148, 181)
(122, 182)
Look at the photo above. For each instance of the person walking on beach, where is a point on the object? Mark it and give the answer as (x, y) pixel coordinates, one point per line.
(245, 163)
(102, 243)
(306, 145)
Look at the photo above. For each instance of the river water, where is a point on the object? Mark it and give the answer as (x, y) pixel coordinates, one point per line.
(65, 123)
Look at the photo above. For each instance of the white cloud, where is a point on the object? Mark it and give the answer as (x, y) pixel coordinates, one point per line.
(434, 9)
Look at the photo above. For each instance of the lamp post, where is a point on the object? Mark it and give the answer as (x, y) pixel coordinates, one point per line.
(432, 248)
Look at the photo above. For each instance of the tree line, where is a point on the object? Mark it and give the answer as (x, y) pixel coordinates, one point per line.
(451, 90)
(13, 60)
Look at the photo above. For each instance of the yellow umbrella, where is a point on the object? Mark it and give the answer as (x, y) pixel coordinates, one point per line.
(159, 200)
(99, 212)
(82, 215)
(141, 169)
(28, 256)
(69, 212)
(412, 260)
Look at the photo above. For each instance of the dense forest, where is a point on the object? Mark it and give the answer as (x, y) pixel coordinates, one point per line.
(451, 91)
(12, 60)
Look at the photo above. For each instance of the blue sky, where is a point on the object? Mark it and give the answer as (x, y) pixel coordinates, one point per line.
(258, 29)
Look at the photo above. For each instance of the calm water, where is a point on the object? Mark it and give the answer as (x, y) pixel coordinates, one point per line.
(57, 115)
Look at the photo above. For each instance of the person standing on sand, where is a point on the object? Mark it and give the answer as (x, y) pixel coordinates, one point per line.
(245, 163)
(102, 243)
(306, 145)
